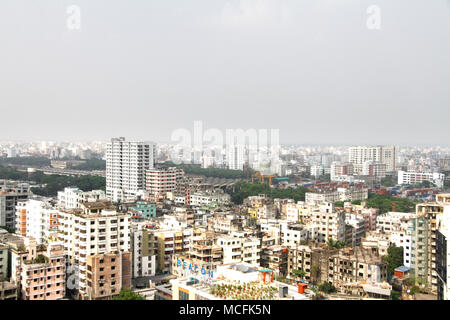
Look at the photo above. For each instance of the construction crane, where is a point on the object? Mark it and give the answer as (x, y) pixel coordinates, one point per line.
(261, 177)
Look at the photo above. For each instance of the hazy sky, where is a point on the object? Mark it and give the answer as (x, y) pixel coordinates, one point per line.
(144, 68)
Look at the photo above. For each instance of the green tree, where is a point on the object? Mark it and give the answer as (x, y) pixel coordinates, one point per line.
(394, 258)
(327, 287)
(388, 182)
(243, 190)
(128, 295)
(385, 203)
(299, 273)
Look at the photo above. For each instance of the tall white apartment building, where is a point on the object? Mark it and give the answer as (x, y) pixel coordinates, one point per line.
(71, 198)
(126, 164)
(36, 218)
(93, 229)
(419, 177)
(235, 157)
(384, 154)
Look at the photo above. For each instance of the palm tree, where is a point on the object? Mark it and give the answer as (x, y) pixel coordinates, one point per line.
(330, 243)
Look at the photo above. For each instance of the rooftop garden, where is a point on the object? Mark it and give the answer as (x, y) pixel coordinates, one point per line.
(246, 291)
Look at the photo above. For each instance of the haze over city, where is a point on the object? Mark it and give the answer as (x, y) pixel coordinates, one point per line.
(309, 68)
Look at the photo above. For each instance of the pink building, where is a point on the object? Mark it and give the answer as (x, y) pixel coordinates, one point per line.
(39, 271)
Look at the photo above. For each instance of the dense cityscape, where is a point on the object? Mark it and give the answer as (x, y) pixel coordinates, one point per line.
(139, 220)
(224, 158)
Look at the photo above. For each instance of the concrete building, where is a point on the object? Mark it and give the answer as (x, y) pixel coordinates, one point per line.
(240, 249)
(8, 291)
(317, 170)
(416, 178)
(160, 180)
(425, 229)
(340, 194)
(4, 261)
(384, 154)
(71, 198)
(339, 169)
(207, 198)
(374, 168)
(143, 250)
(10, 194)
(39, 272)
(126, 164)
(235, 156)
(95, 228)
(443, 251)
(37, 218)
(107, 274)
(330, 223)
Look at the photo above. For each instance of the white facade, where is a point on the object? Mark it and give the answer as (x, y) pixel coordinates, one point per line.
(126, 164)
(341, 194)
(71, 198)
(205, 198)
(384, 154)
(88, 234)
(235, 157)
(330, 223)
(40, 217)
(317, 170)
(419, 177)
(239, 249)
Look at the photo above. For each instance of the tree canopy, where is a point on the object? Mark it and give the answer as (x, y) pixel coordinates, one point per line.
(243, 190)
(394, 258)
(128, 295)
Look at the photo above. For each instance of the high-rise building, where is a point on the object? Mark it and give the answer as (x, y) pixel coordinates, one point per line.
(235, 157)
(384, 154)
(443, 249)
(96, 229)
(10, 195)
(126, 163)
(161, 180)
(427, 235)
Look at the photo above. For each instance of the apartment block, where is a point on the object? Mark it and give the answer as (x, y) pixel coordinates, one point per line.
(126, 164)
(95, 228)
(107, 274)
(39, 271)
(37, 218)
(160, 180)
(10, 194)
